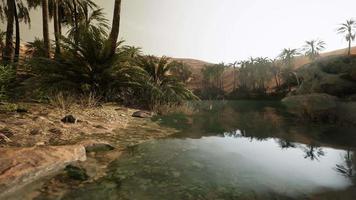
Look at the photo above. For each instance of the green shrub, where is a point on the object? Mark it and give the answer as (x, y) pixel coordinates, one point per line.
(85, 66)
(160, 86)
(7, 77)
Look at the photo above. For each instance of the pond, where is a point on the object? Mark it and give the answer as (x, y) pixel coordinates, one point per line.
(234, 150)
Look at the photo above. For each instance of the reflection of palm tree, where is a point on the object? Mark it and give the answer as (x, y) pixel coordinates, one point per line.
(313, 152)
(285, 144)
(346, 169)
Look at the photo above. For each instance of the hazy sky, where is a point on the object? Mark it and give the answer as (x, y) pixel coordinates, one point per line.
(225, 30)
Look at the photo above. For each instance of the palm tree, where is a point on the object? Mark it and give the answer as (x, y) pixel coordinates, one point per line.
(234, 65)
(45, 20)
(312, 48)
(162, 87)
(115, 29)
(10, 16)
(287, 56)
(21, 15)
(348, 29)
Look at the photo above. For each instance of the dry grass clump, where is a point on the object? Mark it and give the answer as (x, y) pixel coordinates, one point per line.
(68, 101)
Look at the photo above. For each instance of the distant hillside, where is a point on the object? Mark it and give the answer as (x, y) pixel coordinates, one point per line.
(196, 66)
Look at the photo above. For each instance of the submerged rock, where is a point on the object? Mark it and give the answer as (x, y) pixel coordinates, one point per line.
(76, 173)
(21, 166)
(69, 119)
(142, 114)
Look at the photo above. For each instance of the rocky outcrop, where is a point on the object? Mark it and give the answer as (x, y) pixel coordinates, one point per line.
(335, 76)
(314, 107)
(21, 166)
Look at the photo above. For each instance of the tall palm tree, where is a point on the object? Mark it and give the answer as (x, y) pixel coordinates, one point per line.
(10, 16)
(312, 48)
(21, 15)
(348, 29)
(115, 29)
(45, 20)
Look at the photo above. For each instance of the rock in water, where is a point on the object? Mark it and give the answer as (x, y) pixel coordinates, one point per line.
(21, 166)
(142, 114)
(69, 119)
(76, 173)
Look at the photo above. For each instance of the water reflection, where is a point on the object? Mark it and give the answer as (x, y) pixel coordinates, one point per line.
(347, 167)
(235, 150)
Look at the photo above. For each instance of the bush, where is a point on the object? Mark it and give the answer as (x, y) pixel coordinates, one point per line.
(7, 77)
(85, 67)
(160, 86)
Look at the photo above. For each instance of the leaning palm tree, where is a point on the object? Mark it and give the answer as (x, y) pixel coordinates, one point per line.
(312, 48)
(348, 29)
(115, 29)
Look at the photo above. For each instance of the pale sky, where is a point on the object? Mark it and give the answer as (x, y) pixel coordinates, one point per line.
(224, 30)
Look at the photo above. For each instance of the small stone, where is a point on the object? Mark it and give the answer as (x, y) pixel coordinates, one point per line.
(40, 144)
(142, 114)
(35, 131)
(69, 119)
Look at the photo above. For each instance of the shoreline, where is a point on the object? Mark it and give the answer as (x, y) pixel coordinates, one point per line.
(104, 133)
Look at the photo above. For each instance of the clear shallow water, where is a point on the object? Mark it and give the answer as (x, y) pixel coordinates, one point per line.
(236, 150)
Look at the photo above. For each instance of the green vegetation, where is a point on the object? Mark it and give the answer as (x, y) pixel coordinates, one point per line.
(7, 76)
(88, 63)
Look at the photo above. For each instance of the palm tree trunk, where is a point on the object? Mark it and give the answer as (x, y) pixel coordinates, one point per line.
(7, 54)
(47, 44)
(17, 44)
(76, 22)
(115, 29)
(349, 52)
(56, 27)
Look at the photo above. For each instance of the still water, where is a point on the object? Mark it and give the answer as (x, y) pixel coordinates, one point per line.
(234, 150)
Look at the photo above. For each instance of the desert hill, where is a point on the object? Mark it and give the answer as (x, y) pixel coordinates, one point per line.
(196, 66)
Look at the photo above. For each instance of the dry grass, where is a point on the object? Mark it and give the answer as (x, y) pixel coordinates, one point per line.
(62, 101)
(90, 101)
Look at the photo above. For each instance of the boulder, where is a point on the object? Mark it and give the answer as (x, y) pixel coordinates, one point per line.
(21, 166)
(69, 119)
(142, 114)
(314, 107)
